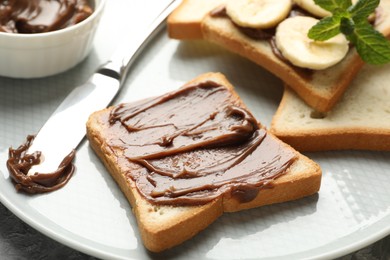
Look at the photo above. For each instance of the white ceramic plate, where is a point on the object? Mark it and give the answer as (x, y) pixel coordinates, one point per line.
(90, 214)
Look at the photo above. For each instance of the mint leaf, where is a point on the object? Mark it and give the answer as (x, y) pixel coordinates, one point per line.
(325, 29)
(371, 45)
(362, 9)
(347, 26)
(333, 5)
(352, 21)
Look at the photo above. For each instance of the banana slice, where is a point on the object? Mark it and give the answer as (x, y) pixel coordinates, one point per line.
(314, 9)
(261, 14)
(311, 7)
(292, 41)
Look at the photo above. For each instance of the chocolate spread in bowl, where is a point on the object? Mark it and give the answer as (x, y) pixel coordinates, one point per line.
(194, 145)
(37, 16)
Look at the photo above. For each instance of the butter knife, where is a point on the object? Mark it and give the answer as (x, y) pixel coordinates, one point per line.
(65, 129)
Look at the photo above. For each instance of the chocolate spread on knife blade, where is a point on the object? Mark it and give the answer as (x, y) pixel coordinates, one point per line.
(37, 16)
(194, 145)
(19, 163)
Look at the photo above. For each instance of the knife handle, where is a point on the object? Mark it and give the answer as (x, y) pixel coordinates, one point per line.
(118, 66)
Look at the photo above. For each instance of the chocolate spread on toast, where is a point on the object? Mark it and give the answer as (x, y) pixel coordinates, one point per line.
(193, 145)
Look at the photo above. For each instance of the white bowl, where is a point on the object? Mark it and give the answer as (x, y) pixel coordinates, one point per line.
(44, 54)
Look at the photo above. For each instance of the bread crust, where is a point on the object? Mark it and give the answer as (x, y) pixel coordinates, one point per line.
(184, 23)
(162, 227)
(321, 89)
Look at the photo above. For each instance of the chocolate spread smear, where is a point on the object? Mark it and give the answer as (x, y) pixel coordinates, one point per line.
(19, 163)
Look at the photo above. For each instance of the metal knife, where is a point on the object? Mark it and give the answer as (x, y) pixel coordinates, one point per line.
(97, 93)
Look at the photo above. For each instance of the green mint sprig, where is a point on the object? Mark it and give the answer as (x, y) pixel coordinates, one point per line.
(352, 21)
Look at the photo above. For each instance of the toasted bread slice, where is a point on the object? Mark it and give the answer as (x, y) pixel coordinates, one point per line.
(321, 89)
(164, 226)
(361, 120)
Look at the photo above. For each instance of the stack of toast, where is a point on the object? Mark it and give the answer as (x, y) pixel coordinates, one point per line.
(315, 113)
(343, 106)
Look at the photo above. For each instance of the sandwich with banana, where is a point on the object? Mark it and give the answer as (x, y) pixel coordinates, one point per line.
(275, 35)
(184, 158)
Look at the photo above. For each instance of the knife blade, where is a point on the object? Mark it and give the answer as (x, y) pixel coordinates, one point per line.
(65, 128)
